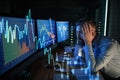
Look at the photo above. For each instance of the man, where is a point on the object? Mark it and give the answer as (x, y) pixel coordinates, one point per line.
(102, 52)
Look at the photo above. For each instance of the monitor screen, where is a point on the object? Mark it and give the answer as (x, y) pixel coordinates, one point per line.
(62, 30)
(46, 33)
(17, 41)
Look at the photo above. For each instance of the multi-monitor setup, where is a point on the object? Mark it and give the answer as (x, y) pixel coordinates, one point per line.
(18, 38)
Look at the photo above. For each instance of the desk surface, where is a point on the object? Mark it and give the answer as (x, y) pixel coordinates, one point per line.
(75, 70)
(71, 61)
(76, 74)
(85, 74)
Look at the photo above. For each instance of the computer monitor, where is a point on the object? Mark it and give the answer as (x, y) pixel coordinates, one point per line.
(46, 33)
(17, 41)
(62, 30)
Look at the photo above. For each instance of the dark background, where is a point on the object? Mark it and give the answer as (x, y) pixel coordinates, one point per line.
(69, 10)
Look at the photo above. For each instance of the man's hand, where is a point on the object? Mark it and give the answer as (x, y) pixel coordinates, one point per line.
(89, 33)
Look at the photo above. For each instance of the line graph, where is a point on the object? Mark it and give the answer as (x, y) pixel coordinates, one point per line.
(47, 51)
(62, 30)
(17, 33)
(46, 33)
(8, 31)
(17, 40)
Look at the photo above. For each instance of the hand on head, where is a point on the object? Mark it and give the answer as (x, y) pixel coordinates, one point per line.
(89, 33)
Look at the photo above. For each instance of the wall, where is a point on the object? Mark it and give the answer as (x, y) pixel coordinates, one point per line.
(113, 25)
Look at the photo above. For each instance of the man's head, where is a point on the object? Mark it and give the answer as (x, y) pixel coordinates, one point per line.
(87, 22)
(88, 25)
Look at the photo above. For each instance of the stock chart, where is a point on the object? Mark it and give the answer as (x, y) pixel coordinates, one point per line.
(46, 33)
(17, 41)
(62, 30)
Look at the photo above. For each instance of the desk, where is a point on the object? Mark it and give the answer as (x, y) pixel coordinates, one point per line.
(85, 74)
(72, 72)
(73, 63)
(61, 76)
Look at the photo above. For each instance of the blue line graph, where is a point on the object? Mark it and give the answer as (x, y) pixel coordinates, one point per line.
(48, 52)
(17, 41)
(46, 33)
(62, 30)
(10, 33)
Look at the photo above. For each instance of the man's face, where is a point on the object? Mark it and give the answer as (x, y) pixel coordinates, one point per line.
(81, 32)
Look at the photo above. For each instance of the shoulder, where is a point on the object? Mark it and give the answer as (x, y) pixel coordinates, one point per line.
(103, 40)
(107, 41)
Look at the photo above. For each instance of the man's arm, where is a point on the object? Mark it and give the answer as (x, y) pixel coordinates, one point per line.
(107, 51)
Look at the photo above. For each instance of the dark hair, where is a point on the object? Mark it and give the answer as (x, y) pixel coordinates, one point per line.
(88, 21)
